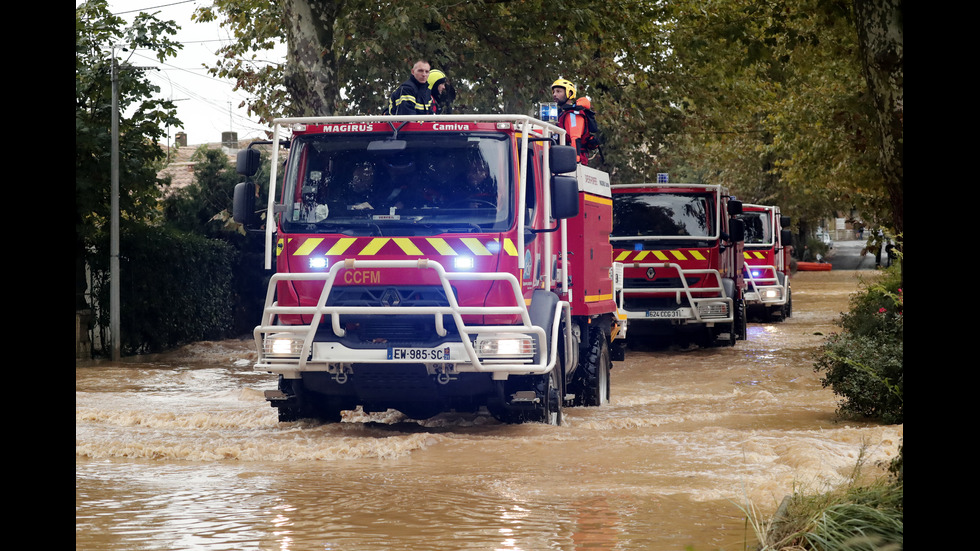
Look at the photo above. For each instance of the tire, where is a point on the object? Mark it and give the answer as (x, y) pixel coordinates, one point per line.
(304, 404)
(592, 376)
(547, 408)
(741, 323)
(788, 307)
(553, 394)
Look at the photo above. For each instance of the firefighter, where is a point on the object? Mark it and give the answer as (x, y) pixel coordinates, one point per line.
(442, 92)
(412, 97)
(360, 191)
(570, 117)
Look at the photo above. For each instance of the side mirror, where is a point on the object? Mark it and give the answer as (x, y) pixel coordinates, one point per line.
(243, 206)
(563, 159)
(784, 221)
(734, 208)
(564, 197)
(737, 228)
(786, 238)
(248, 161)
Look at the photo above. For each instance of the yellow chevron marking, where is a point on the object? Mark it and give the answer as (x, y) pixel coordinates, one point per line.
(641, 255)
(308, 246)
(341, 246)
(374, 246)
(407, 246)
(660, 256)
(697, 255)
(509, 247)
(279, 246)
(474, 245)
(440, 245)
(622, 256)
(678, 255)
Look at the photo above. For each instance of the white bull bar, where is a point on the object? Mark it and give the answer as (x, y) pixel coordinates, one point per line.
(757, 286)
(292, 364)
(681, 294)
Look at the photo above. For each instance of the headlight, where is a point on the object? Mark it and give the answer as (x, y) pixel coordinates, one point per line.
(505, 345)
(283, 345)
(772, 294)
(713, 310)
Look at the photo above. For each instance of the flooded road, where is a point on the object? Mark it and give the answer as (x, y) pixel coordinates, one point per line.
(181, 451)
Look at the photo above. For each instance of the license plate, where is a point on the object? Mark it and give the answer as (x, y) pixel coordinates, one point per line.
(419, 354)
(663, 314)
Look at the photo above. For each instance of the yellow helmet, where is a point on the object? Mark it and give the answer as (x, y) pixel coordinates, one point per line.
(435, 76)
(568, 86)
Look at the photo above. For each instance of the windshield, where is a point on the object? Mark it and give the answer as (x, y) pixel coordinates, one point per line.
(758, 230)
(439, 182)
(663, 215)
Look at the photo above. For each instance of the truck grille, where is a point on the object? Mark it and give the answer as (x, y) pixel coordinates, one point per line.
(660, 282)
(387, 330)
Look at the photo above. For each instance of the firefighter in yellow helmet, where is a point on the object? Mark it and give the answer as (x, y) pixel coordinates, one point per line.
(442, 92)
(570, 117)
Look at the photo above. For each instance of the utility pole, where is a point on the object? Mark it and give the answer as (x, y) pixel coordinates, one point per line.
(114, 332)
(114, 322)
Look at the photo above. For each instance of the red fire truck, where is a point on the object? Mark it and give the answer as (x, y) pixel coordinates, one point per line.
(767, 262)
(681, 250)
(434, 263)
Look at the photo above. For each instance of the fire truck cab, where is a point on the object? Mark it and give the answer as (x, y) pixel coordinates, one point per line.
(434, 263)
(767, 262)
(681, 250)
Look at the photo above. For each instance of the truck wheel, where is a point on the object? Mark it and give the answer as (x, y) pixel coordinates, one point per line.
(553, 394)
(593, 374)
(303, 404)
(788, 307)
(741, 323)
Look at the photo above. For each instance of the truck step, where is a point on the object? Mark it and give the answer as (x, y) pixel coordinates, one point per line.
(524, 396)
(276, 396)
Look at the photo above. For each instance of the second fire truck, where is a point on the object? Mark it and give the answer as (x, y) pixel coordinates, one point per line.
(681, 250)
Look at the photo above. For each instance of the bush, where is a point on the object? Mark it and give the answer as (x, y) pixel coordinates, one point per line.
(863, 364)
(175, 288)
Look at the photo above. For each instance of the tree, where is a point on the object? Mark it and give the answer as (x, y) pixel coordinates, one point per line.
(345, 57)
(775, 105)
(881, 26)
(97, 32)
(193, 208)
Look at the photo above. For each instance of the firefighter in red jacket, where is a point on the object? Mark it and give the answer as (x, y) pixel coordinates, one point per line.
(573, 122)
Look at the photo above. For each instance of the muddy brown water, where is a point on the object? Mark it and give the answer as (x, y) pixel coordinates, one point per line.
(180, 451)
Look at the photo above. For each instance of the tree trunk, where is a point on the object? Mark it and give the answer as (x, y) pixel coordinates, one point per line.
(880, 28)
(311, 63)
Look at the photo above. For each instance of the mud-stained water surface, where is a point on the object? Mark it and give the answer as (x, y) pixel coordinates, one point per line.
(181, 451)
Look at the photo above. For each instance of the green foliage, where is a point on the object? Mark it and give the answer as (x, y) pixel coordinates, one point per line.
(203, 208)
(140, 125)
(775, 105)
(175, 288)
(96, 31)
(868, 518)
(360, 50)
(858, 516)
(863, 364)
(194, 207)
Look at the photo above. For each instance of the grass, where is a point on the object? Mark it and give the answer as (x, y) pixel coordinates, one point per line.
(857, 517)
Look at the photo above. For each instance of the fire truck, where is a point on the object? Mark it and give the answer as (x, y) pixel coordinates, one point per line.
(681, 250)
(768, 247)
(434, 263)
